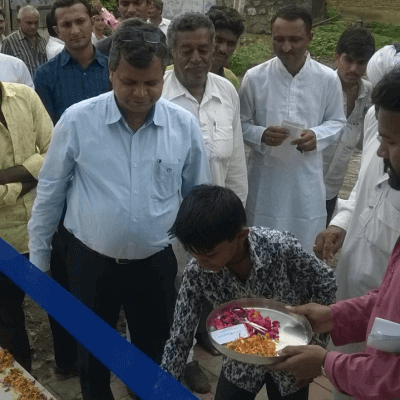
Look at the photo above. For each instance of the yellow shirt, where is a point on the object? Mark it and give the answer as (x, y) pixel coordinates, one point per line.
(24, 142)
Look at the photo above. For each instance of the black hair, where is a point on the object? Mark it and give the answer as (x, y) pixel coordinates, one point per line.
(159, 5)
(208, 215)
(386, 93)
(50, 22)
(130, 41)
(226, 18)
(292, 13)
(94, 11)
(357, 43)
(188, 22)
(68, 3)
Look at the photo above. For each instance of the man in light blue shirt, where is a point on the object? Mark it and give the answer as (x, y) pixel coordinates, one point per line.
(123, 160)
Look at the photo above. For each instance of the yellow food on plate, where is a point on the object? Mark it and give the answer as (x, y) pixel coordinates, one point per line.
(256, 345)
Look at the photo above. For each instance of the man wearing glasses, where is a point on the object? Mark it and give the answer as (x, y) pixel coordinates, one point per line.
(132, 156)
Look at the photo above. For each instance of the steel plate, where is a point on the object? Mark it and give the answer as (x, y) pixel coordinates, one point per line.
(292, 326)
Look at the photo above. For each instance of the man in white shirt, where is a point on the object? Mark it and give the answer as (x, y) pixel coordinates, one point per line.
(286, 187)
(2, 26)
(155, 15)
(54, 45)
(214, 102)
(14, 70)
(353, 51)
(368, 223)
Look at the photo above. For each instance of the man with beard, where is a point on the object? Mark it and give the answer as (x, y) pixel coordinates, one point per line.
(229, 26)
(368, 223)
(372, 373)
(127, 9)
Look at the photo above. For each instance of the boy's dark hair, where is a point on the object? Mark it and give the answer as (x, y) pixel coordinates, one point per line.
(226, 18)
(386, 93)
(357, 43)
(50, 22)
(292, 13)
(159, 5)
(68, 3)
(139, 42)
(208, 216)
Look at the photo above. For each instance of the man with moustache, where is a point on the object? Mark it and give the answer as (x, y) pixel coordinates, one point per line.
(215, 104)
(127, 9)
(26, 43)
(286, 188)
(77, 73)
(122, 160)
(229, 26)
(353, 51)
(372, 372)
(367, 225)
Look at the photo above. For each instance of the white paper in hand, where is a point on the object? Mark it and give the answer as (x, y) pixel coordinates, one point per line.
(385, 336)
(285, 150)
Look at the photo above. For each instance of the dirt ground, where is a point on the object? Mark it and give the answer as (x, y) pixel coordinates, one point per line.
(38, 325)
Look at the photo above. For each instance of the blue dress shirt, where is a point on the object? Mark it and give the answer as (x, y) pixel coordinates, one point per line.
(123, 188)
(62, 82)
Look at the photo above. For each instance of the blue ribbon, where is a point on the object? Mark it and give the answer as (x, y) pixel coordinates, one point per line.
(134, 368)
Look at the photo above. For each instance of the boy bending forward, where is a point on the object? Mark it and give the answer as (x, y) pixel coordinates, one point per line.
(231, 261)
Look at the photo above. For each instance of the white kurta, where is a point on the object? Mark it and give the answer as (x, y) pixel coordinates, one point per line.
(219, 119)
(14, 70)
(371, 217)
(289, 195)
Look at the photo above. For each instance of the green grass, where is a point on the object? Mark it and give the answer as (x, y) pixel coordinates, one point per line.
(254, 53)
(326, 37)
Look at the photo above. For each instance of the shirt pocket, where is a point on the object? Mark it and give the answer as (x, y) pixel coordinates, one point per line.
(165, 180)
(382, 229)
(221, 144)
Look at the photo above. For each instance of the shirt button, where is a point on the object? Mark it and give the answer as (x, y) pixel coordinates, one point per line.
(135, 192)
(135, 165)
(134, 220)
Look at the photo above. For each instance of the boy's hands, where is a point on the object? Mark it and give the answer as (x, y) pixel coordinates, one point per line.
(304, 362)
(319, 316)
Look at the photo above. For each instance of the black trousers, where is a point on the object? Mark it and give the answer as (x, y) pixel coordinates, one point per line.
(228, 391)
(145, 288)
(330, 208)
(13, 336)
(65, 346)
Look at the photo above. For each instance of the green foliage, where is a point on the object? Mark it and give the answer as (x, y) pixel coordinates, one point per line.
(326, 37)
(254, 53)
(109, 4)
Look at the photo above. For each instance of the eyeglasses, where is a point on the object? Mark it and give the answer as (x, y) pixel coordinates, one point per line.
(148, 37)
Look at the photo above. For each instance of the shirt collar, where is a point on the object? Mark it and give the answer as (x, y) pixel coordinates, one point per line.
(7, 90)
(362, 90)
(55, 40)
(113, 114)
(65, 58)
(2, 37)
(177, 89)
(22, 36)
(305, 66)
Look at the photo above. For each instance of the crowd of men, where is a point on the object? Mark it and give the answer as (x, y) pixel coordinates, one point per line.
(111, 146)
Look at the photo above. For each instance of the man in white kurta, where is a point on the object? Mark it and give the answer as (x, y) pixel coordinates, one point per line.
(289, 194)
(369, 221)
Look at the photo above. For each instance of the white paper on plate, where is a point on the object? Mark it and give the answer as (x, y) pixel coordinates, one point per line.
(385, 336)
(285, 150)
(230, 334)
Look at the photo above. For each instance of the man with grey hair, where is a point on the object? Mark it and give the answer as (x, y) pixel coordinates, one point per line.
(214, 102)
(26, 43)
(155, 15)
(132, 156)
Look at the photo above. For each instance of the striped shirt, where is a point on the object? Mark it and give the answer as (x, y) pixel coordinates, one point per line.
(18, 45)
